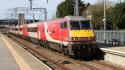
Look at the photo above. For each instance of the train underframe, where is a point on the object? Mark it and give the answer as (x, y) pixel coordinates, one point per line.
(84, 50)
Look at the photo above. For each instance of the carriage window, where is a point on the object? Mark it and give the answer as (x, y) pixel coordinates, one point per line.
(74, 25)
(16, 29)
(32, 29)
(85, 25)
(63, 25)
(20, 29)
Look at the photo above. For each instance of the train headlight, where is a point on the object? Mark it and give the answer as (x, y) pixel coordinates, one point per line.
(84, 39)
(75, 38)
(68, 38)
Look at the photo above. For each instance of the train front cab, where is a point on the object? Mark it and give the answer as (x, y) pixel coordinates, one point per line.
(81, 41)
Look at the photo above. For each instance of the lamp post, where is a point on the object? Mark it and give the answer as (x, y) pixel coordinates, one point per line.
(76, 8)
(104, 19)
(31, 4)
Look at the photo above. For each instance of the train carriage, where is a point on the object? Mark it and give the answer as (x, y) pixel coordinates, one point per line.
(71, 35)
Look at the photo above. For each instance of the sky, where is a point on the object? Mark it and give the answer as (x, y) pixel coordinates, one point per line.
(51, 5)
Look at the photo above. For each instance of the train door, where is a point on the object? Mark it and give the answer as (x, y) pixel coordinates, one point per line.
(64, 31)
(25, 30)
(41, 32)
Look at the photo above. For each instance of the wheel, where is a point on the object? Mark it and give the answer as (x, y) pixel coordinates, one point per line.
(47, 45)
(41, 43)
(65, 51)
(60, 49)
(86, 52)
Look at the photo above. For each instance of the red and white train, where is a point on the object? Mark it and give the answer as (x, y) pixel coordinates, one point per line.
(72, 35)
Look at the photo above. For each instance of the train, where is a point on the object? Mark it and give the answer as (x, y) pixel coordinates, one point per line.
(71, 35)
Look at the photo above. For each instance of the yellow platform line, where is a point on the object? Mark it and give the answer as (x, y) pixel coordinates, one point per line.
(19, 60)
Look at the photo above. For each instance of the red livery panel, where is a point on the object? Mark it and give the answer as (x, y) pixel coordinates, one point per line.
(71, 35)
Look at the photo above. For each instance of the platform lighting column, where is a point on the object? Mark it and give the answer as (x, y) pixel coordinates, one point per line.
(104, 19)
(33, 18)
(76, 11)
(45, 11)
(120, 1)
(31, 4)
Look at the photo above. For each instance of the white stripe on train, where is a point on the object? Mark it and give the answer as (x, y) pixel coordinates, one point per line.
(49, 38)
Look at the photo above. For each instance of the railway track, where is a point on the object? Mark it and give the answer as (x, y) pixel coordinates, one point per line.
(58, 61)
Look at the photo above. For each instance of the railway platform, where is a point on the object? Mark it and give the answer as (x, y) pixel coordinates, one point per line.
(115, 54)
(120, 49)
(14, 57)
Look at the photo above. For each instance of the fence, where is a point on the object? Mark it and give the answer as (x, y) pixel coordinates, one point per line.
(110, 35)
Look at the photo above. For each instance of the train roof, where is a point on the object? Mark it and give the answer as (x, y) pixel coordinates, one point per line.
(76, 18)
(82, 18)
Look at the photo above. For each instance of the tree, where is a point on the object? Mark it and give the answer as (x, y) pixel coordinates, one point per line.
(96, 11)
(118, 16)
(67, 8)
